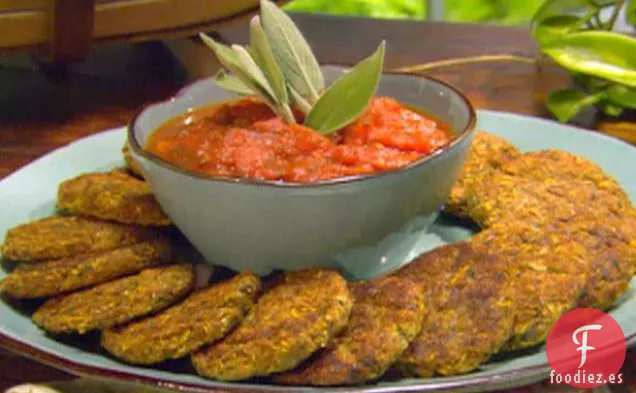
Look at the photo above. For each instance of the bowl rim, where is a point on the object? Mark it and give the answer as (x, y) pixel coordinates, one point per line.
(466, 132)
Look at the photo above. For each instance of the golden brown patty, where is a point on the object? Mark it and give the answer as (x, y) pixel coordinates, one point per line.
(287, 324)
(387, 314)
(487, 152)
(116, 302)
(65, 275)
(202, 318)
(547, 277)
(131, 164)
(569, 196)
(610, 241)
(469, 316)
(63, 237)
(518, 192)
(111, 196)
(544, 165)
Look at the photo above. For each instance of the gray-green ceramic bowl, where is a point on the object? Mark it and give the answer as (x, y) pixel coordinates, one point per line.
(262, 226)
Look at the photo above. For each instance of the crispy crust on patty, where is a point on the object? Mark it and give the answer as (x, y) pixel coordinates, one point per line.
(566, 195)
(548, 275)
(387, 315)
(113, 196)
(63, 237)
(116, 302)
(487, 152)
(470, 315)
(287, 324)
(205, 316)
(65, 275)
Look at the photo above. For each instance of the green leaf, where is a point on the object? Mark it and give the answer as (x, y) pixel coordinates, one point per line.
(238, 60)
(253, 71)
(565, 104)
(262, 54)
(292, 52)
(299, 101)
(589, 83)
(622, 96)
(228, 57)
(231, 83)
(555, 27)
(347, 98)
(611, 110)
(603, 54)
(630, 12)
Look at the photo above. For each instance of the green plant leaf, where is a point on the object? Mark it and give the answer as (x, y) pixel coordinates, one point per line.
(622, 95)
(611, 110)
(630, 12)
(555, 27)
(556, 18)
(262, 53)
(348, 96)
(603, 54)
(292, 52)
(232, 83)
(565, 104)
(588, 83)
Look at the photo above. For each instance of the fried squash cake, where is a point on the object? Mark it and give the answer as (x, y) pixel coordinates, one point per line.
(574, 199)
(545, 192)
(63, 237)
(487, 152)
(470, 314)
(387, 315)
(116, 302)
(288, 324)
(65, 275)
(114, 196)
(548, 274)
(205, 316)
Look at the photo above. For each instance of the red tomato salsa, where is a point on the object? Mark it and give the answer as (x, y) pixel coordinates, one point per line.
(244, 139)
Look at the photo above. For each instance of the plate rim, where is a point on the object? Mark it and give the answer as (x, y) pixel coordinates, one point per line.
(500, 380)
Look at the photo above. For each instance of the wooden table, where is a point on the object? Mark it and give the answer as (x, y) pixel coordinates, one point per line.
(39, 114)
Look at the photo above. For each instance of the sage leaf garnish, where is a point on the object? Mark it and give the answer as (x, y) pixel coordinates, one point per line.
(292, 52)
(262, 53)
(232, 83)
(253, 71)
(280, 68)
(238, 60)
(299, 101)
(347, 98)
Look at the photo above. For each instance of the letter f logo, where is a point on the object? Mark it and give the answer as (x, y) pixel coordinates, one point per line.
(583, 344)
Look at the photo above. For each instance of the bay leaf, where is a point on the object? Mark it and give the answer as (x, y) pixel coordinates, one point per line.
(347, 98)
(292, 52)
(262, 54)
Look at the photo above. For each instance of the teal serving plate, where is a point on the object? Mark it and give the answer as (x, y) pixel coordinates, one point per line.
(29, 193)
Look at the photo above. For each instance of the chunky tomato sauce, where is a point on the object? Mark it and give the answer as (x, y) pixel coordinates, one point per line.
(244, 139)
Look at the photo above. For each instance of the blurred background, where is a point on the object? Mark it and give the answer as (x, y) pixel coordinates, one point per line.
(495, 12)
(504, 12)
